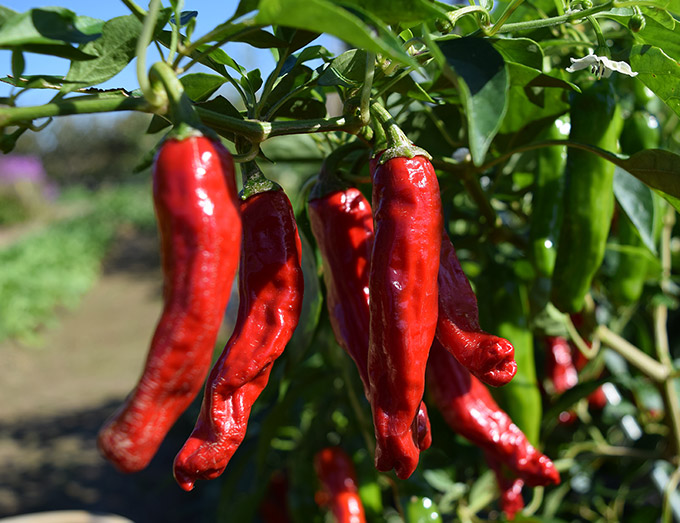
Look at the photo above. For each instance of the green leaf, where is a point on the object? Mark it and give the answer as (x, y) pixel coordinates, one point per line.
(5, 14)
(657, 35)
(49, 25)
(201, 86)
(660, 15)
(216, 59)
(185, 17)
(252, 81)
(18, 63)
(659, 72)
(398, 11)
(261, 39)
(347, 70)
(323, 16)
(114, 50)
(519, 50)
(302, 108)
(657, 168)
(245, 7)
(637, 201)
(483, 81)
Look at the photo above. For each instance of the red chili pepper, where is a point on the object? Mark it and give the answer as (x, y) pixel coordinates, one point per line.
(597, 399)
(510, 487)
(335, 471)
(488, 357)
(469, 409)
(342, 224)
(403, 305)
(197, 210)
(270, 291)
(560, 369)
(274, 506)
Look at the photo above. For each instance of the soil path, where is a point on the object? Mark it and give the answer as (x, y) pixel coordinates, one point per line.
(55, 398)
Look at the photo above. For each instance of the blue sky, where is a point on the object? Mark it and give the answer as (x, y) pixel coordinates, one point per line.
(211, 13)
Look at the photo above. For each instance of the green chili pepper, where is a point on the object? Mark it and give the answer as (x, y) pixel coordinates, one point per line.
(640, 131)
(588, 196)
(504, 305)
(546, 212)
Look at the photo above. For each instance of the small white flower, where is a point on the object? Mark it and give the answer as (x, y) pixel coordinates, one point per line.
(600, 66)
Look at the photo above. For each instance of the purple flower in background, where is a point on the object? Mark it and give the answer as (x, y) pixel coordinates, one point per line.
(15, 168)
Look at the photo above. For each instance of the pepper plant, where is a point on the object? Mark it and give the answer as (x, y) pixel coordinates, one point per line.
(551, 126)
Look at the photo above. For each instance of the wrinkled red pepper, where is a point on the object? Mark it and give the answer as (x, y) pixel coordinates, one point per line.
(510, 487)
(342, 224)
(335, 471)
(469, 409)
(270, 290)
(197, 210)
(403, 305)
(560, 369)
(488, 357)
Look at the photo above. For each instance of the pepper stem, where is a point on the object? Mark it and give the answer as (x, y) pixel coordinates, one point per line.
(179, 107)
(254, 181)
(398, 145)
(328, 180)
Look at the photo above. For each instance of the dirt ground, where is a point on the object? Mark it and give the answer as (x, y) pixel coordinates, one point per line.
(55, 398)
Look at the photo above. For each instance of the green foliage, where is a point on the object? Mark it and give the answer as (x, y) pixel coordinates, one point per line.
(480, 85)
(57, 264)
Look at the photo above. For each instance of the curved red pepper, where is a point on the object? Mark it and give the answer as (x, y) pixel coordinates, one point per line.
(469, 409)
(270, 290)
(403, 306)
(510, 487)
(197, 210)
(488, 357)
(560, 368)
(335, 471)
(342, 224)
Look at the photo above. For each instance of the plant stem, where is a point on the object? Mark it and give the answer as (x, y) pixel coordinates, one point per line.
(82, 105)
(668, 492)
(269, 84)
(142, 44)
(504, 17)
(135, 9)
(253, 130)
(635, 356)
(365, 103)
(669, 393)
(556, 20)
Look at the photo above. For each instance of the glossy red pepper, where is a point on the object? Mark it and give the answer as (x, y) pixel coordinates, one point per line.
(560, 369)
(197, 211)
(342, 224)
(270, 290)
(335, 471)
(403, 305)
(488, 357)
(469, 409)
(510, 487)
